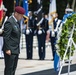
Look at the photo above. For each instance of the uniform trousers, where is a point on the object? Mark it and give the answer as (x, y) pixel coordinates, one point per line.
(1, 45)
(29, 45)
(41, 45)
(10, 63)
(53, 43)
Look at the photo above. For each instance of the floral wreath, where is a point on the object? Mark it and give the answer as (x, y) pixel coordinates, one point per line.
(64, 37)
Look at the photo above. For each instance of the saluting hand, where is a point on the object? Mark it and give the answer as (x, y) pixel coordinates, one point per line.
(8, 52)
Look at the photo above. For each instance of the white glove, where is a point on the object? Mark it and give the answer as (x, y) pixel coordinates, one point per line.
(39, 32)
(27, 31)
(53, 34)
(1, 31)
(55, 30)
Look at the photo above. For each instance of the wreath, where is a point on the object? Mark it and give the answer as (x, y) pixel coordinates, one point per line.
(64, 37)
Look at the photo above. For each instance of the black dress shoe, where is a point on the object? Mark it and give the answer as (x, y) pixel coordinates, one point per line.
(52, 59)
(41, 59)
(28, 58)
(1, 57)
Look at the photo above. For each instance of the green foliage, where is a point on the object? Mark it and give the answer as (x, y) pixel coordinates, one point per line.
(66, 31)
(61, 6)
(45, 4)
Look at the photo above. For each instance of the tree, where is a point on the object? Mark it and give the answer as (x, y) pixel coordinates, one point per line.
(33, 5)
(73, 4)
(9, 4)
(45, 4)
(61, 6)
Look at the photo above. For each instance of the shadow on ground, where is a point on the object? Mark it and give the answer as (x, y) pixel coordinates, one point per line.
(52, 72)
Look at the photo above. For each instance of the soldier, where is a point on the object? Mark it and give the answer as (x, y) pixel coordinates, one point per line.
(41, 36)
(1, 30)
(11, 38)
(35, 22)
(53, 34)
(68, 12)
(29, 36)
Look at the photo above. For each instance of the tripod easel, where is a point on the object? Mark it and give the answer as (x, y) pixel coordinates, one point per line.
(69, 45)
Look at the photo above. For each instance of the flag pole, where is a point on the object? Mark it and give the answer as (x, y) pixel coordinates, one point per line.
(26, 21)
(25, 6)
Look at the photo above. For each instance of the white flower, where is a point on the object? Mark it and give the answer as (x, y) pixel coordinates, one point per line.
(1, 31)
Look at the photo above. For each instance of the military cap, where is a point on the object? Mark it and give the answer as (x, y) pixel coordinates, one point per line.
(69, 10)
(19, 10)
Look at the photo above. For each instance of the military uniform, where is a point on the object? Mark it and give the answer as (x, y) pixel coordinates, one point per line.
(41, 43)
(11, 27)
(11, 38)
(41, 36)
(29, 38)
(1, 37)
(54, 38)
(2, 30)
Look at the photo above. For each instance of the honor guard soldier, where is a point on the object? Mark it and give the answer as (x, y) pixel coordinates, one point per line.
(29, 36)
(4, 19)
(35, 22)
(41, 36)
(53, 34)
(68, 12)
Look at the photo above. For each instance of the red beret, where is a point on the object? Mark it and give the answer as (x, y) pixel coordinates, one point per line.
(19, 10)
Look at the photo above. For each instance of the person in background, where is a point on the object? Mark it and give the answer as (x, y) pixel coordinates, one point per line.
(41, 36)
(2, 29)
(29, 33)
(11, 38)
(35, 22)
(68, 12)
(53, 34)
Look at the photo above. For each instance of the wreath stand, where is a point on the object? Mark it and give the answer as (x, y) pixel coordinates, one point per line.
(70, 42)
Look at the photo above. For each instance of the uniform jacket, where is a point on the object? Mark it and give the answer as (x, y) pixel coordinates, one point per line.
(2, 26)
(11, 36)
(44, 24)
(31, 23)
